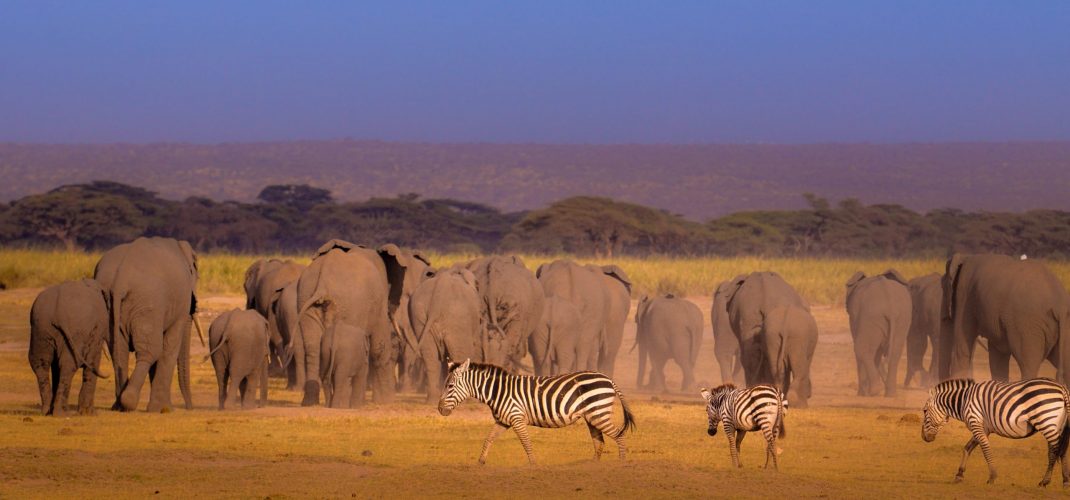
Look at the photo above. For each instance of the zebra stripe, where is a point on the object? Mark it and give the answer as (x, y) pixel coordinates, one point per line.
(760, 408)
(1015, 410)
(518, 401)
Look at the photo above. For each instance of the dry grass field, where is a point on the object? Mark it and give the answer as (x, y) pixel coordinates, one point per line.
(843, 446)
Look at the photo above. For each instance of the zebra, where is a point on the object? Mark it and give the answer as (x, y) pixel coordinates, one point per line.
(517, 401)
(761, 407)
(1010, 409)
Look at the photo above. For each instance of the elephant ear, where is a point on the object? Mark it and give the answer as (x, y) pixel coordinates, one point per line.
(855, 278)
(397, 264)
(342, 245)
(706, 394)
(190, 255)
(730, 288)
(951, 282)
(894, 275)
(252, 275)
(618, 274)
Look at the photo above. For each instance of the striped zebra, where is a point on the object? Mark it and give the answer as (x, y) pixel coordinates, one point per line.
(1009, 409)
(761, 407)
(517, 401)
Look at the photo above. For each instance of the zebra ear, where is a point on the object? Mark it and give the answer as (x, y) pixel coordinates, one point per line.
(706, 394)
(464, 366)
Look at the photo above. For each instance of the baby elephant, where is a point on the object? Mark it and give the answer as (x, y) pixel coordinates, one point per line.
(668, 328)
(68, 325)
(345, 366)
(239, 341)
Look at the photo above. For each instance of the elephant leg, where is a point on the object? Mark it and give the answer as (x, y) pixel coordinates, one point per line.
(1029, 364)
(220, 378)
(42, 369)
(358, 382)
(1000, 364)
(160, 387)
(312, 330)
(298, 363)
(657, 373)
(63, 386)
(234, 390)
(429, 355)
(802, 388)
(868, 376)
(120, 360)
(382, 366)
(607, 354)
(341, 383)
(263, 380)
(565, 361)
(148, 349)
(89, 385)
(897, 343)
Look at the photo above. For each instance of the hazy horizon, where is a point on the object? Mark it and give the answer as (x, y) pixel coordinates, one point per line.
(545, 73)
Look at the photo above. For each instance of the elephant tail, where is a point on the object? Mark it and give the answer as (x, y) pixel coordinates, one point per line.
(222, 339)
(79, 359)
(629, 417)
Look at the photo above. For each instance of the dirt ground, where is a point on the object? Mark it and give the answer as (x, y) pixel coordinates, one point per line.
(843, 446)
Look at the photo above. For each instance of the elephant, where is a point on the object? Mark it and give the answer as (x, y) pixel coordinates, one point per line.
(345, 368)
(263, 281)
(150, 288)
(619, 294)
(667, 328)
(239, 350)
(926, 292)
(554, 344)
(410, 366)
(360, 287)
(1018, 305)
(444, 312)
(725, 345)
(777, 334)
(512, 302)
(879, 308)
(282, 321)
(68, 325)
(584, 287)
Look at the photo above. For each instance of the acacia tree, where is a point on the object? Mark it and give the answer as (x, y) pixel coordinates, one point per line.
(76, 216)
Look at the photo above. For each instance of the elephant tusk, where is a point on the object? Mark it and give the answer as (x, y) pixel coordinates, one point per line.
(200, 332)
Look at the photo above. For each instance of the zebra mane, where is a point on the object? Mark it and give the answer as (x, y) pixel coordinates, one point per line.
(481, 367)
(723, 387)
(951, 384)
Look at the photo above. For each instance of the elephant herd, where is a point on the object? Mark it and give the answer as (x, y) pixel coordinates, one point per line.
(1017, 305)
(359, 318)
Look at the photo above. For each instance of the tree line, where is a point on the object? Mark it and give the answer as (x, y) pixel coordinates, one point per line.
(298, 218)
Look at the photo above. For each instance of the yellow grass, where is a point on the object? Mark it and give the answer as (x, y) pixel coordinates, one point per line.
(821, 281)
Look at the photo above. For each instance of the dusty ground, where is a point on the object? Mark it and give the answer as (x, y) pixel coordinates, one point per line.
(844, 446)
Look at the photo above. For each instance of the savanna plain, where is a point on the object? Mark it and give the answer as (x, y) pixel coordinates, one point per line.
(842, 446)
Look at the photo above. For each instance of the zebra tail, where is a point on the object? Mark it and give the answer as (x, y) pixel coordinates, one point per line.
(1064, 437)
(629, 417)
(780, 419)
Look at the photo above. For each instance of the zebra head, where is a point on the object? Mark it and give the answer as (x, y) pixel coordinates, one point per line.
(714, 401)
(458, 387)
(934, 413)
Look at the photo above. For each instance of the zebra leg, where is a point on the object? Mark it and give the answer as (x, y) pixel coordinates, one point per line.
(982, 438)
(1053, 455)
(965, 455)
(494, 433)
(770, 445)
(599, 441)
(521, 429)
(606, 428)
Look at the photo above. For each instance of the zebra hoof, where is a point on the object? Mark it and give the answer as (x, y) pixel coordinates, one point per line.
(958, 479)
(991, 480)
(1044, 483)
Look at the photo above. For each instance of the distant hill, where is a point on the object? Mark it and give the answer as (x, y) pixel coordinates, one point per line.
(698, 181)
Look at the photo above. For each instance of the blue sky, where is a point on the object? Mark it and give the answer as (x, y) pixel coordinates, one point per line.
(546, 71)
